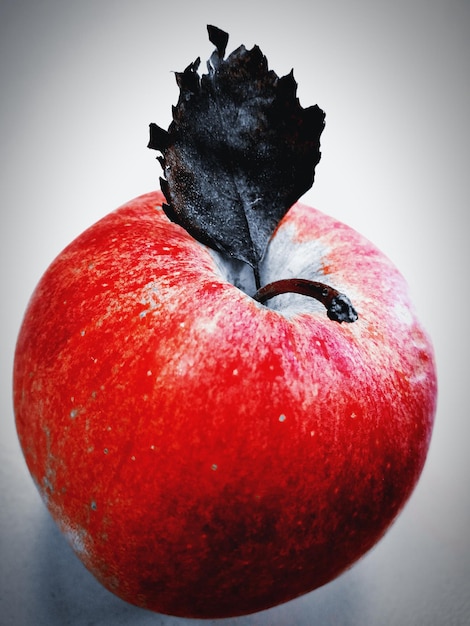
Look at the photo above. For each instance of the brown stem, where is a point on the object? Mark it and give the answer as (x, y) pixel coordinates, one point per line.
(338, 306)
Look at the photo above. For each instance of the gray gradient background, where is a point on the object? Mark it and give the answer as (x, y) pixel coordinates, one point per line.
(80, 81)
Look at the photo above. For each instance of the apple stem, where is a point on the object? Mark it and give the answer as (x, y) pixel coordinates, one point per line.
(338, 306)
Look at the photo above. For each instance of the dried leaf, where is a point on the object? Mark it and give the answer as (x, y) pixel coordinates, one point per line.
(239, 151)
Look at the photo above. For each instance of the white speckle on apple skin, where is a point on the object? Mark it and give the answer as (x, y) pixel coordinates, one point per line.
(77, 537)
(402, 313)
(150, 298)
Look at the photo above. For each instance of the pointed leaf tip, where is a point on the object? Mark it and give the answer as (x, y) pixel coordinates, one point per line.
(219, 38)
(159, 138)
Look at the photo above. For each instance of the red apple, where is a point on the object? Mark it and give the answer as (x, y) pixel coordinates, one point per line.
(209, 443)
(206, 455)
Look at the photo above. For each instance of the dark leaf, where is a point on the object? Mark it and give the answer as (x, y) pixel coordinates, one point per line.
(239, 151)
(220, 39)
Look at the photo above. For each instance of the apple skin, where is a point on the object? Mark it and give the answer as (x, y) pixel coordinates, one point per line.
(205, 455)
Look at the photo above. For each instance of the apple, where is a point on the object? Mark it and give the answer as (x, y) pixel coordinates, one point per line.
(206, 455)
(208, 446)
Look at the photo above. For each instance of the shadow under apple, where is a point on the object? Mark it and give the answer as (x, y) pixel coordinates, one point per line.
(66, 593)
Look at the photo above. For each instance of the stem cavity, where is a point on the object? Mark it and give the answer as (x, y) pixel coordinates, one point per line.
(338, 306)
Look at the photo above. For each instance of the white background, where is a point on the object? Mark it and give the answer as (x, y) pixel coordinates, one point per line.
(80, 82)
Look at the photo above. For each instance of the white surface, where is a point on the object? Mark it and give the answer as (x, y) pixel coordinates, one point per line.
(80, 81)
